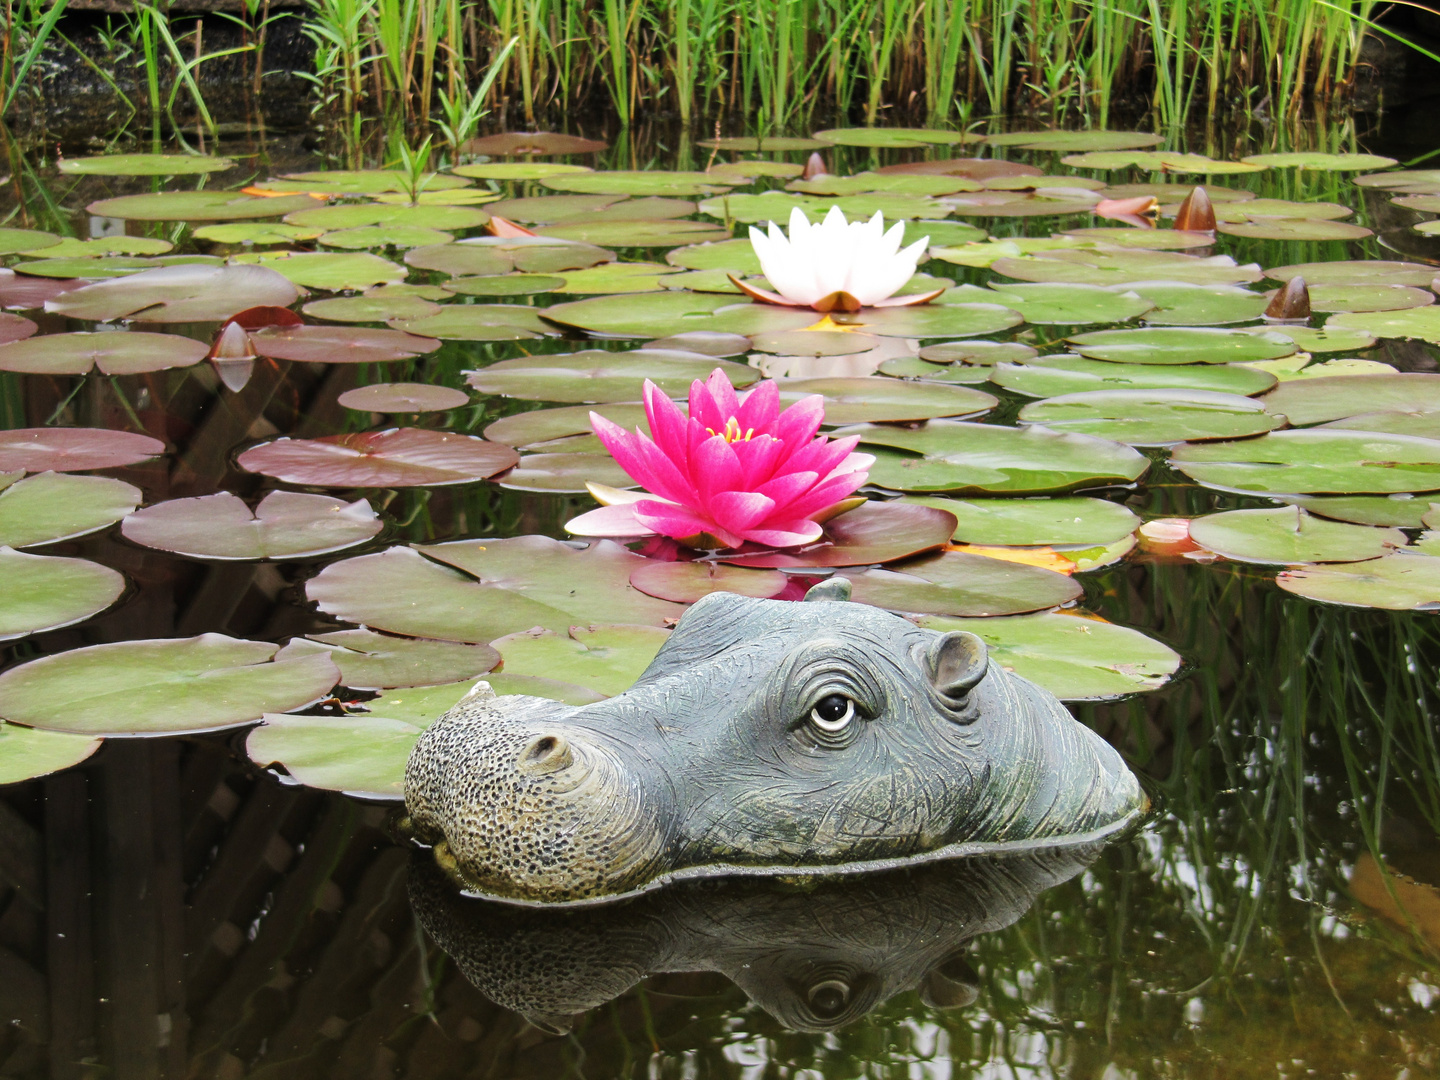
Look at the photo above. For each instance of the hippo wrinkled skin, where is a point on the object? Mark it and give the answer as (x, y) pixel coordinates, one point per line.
(766, 737)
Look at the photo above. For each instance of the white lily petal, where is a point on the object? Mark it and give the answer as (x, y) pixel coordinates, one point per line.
(815, 260)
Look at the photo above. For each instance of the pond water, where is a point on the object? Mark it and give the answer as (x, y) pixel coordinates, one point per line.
(171, 908)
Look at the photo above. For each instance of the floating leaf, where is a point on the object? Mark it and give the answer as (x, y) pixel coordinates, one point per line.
(686, 582)
(14, 328)
(522, 583)
(164, 686)
(1310, 401)
(45, 593)
(1069, 304)
(198, 206)
(144, 165)
(912, 367)
(516, 170)
(1075, 658)
(646, 182)
(50, 506)
(177, 294)
(1294, 229)
(614, 278)
(510, 143)
(873, 532)
(479, 322)
(1424, 423)
(1356, 272)
(363, 182)
(21, 293)
(597, 375)
(1152, 417)
(258, 234)
(339, 344)
(1159, 161)
(1181, 345)
(1329, 339)
(1404, 581)
(26, 753)
(1288, 535)
(642, 234)
(976, 352)
(954, 583)
(403, 398)
(871, 399)
(776, 206)
(380, 236)
(285, 525)
(371, 308)
(73, 449)
(104, 246)
(814, 342)
(1314, 461)
(1422, 322)
(1149, 239)
(371, 661)
(1042, 202)
(1124, 267)
(606, 658)
(495, 255)
(333, 271)
(735, 256)
(1178, 304)
(565, 472)
(528, 430)
(505, 284)
(1060, 522)
(888, 183)
(893, 137)
(933, 320)
(1076, 141)
(947, 455)
(360, 215)
(13, 240)
(762, 144)
(1320, 162)
(361, 755)
(1393, 511)
(1051, 376)
(399, 457)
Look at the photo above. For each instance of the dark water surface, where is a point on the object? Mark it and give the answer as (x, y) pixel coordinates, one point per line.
(168, 909)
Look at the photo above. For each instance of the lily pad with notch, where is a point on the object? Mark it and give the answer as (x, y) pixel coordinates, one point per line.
(868, 399)
(371, 661)
(49, 507)
(479, 322)
(1052, 376)
(332, 271)
(565, 472)
(404, 398)
(1404, 581)
(1312, 401)
(161, 686)
(1356, 272)
(58, 449)
(371, 308)
(957, 583)
(398, 457)
(1181, 345)
(26, 754)
(1314, 461)
(1288, 536)
(199, 206)
(598, 375)
(636, 182)
(1075, 521)
(606, 657)
(528, 430)
(1180, 304)
(174, 294)
(873, 532)
(687, 582)
(1153, 417)
(43, 592)
(340, 344)
(285, 525)
(1069, 304)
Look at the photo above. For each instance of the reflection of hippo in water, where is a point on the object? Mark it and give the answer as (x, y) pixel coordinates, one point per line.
(765, 737)
(816, 959)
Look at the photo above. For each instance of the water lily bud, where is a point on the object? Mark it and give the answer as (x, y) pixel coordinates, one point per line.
(507, 229)
(1290, 304)
(233, 356)
(814, 167)
(1195, 213)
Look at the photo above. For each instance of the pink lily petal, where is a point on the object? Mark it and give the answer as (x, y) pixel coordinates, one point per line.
(667, 424)
(716, 468)
(786, 489)
(801, 420)
(740, 510)
(609, 521)
(643, 460)
(760, 409)
(786, 533)
(759, 458)
(825, 495)
(681, 522)
(722, 393)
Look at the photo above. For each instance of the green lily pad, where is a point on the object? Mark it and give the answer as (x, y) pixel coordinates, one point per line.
(13, 240)
(529, 430)
(1181, 345)
(371, 308)
(1069, 304)
(978, 459)
(686, 582)
(362, 182)
(647, 182)
(49, 507)
(163, 686)
(479, 322)
(1262, 210)
(176, 294)
(1404, 581)
(814, 343)
(1152, 417)
(505, 284)
(1075, 658)
(1356, 272)
(339, 344)
(112, 353)
(399, 457)
(932, 320)
(1123, 267)
(1052, 376)
(1328, 339)
(403, 398)
(869, 399)
(1041, 202)
(888, 183)
(58, 449)
(912, 367)
(550, 209)
(606, 658)
(1392, 511)
(450, 197)
(976, 352)
(105, 247)
(488, 256)
(1148, 239)
(762, 144)
(1314, 461)
(199, 206)
(1159, 161)
(508, 143)
(709, 281)
(1287, 535)
(371, 661)
(597, 375)
(1422, 322)
(361, 755)
(1320, 162)
(1065, 522)
(1311, 401)
(1178, 304)
(1424, 423)
(508, 586)
(1076, 141)
(285, 525)
(26, 753)
(1301, 366)
(615, 278)
(899, 138)
(256, 233)
(991, 251)
(640, 234)
(565, 473)
(91, 268)
(650, 315)
(381, 236)
(776, 206)
(144, 165)
(956, 583)
(736, 256)
(332, 271)
(516, 170)
(1294, 229)
(873, 532)
(45, 593)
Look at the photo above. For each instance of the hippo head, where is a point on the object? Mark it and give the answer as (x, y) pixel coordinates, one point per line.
(766, 737)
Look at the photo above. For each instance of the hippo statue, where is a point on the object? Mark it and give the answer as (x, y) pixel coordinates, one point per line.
(815, 958)
(766, 737)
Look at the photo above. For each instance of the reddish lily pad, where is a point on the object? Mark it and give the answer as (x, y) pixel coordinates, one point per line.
(45, 593)
(686, 582)
(565, 472)
(874, 532)
(340, 344)
(50, 507)
(507, 586)
(371, 661)
(956, 583)
(111, 353)
(479, 322)
(285, 525)
(166, 686)
(15, 328)
(371, 308)
(73, 449)
(404, 398)
(21, 292)
(399, 457)
(184, 293)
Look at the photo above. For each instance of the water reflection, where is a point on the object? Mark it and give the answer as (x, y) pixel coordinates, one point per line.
(815, 957)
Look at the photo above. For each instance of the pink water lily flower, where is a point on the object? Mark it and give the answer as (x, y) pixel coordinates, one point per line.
(736, 469)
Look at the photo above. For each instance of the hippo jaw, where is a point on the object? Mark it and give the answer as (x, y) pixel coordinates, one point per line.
(766, 737)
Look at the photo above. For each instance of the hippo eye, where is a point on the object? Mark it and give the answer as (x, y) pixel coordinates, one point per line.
(833, 713)
(829, 998)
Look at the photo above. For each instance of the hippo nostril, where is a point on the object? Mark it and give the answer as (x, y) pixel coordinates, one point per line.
(547, 754)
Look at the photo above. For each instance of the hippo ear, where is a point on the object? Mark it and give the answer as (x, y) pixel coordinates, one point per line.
(958, 661)
(951, 984)
(835, 588)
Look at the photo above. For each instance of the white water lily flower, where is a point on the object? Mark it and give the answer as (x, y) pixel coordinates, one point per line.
(837, 264)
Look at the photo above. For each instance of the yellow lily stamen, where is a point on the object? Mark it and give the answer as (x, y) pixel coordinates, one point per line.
(826, 323)
(732, 432)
